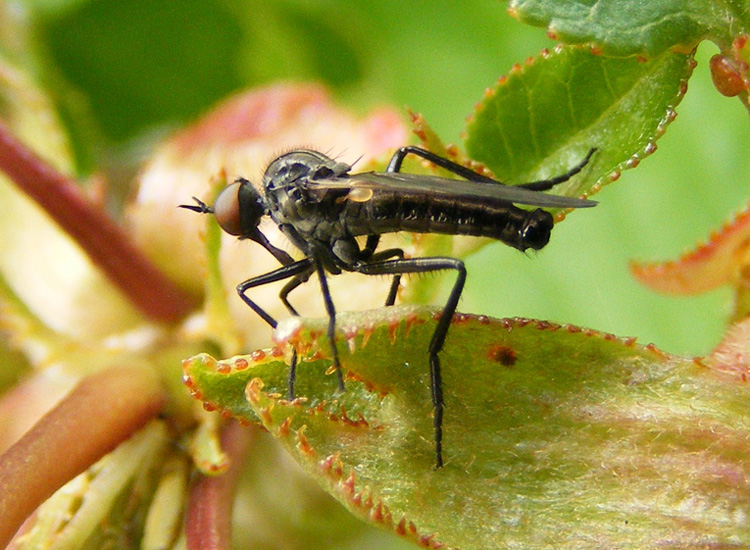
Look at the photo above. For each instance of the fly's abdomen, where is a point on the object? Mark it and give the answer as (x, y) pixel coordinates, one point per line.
(514, 226)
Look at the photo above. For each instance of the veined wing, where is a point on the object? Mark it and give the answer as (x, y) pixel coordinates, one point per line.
(428, 185)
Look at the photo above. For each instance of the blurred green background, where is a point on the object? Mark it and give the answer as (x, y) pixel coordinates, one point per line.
(127, 71)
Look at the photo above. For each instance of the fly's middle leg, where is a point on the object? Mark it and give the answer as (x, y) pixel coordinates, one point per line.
(284, 297)
(425, 265)
(331, 310)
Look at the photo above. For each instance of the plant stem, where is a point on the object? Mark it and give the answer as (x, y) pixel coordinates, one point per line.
(208, 521)
(105, 242)
(102, 411)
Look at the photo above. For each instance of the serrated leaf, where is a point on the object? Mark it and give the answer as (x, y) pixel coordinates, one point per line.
(717, 262)
(542, 119)
(555, 436)
(623, 28)
(722, 260)
(220, 385)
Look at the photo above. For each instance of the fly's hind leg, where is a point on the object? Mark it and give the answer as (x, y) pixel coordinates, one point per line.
(425, 265)
(369, 255)
(542, 185)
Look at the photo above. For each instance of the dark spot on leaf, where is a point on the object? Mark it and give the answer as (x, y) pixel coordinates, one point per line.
(503, 354)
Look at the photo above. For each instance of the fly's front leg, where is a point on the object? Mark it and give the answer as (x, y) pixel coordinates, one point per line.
(426, 265)
(296, 270)
(288, 288)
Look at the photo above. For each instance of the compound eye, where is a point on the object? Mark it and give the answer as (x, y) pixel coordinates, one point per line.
(227, 209)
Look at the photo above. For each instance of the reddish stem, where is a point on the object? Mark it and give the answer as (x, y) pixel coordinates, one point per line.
(208, 522)
(101, 412)
(104, 241)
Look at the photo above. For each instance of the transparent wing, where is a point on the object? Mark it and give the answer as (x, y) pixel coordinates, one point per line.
(430, 186)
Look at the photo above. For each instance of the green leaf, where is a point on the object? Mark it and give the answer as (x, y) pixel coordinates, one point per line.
(553, 435)
(623, 27)
(542, 119)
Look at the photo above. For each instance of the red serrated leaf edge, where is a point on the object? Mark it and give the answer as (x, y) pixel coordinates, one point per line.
(717, 262)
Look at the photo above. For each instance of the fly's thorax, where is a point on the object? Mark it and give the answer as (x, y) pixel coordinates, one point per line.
(289, 185)
(306, 212)
(305, 208)
(300, 166)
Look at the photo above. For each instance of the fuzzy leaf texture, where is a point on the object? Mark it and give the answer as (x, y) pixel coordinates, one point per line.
(554, 435)
(624, 28)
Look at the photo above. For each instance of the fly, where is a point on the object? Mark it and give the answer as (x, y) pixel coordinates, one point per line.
(322, 208)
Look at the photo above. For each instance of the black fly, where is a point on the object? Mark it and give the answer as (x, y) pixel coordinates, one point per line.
(322, 207)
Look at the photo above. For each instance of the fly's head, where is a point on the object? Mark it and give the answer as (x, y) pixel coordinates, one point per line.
(535, 231)
(238, 209)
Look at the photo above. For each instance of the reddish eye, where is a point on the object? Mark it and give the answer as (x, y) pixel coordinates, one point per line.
(227, 209)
